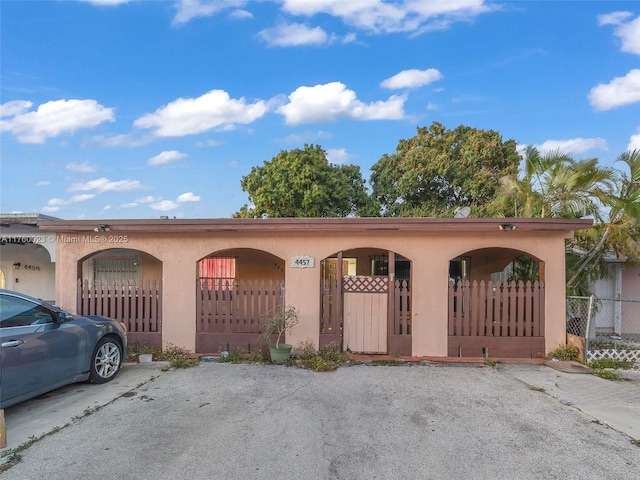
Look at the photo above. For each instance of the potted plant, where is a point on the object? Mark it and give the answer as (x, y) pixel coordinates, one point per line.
(277, 324)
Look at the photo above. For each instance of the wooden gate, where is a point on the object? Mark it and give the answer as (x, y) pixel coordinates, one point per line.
(229, 313)
(137, 304)
(365, 315)
(496, 320)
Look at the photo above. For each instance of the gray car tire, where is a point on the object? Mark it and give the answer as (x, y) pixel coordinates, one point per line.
(105, 361)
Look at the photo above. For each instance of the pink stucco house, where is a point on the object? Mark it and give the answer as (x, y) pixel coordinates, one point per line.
(410, 286)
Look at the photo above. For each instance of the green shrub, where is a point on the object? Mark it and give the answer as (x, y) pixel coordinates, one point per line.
(566, 352)
(326, 359)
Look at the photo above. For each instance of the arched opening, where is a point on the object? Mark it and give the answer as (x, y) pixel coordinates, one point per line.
(236, 289)
(366, 302)
(27, 267)
(496, 304)
(126, 285)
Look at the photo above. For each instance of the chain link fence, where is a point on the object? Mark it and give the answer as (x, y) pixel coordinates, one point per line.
(610, 327)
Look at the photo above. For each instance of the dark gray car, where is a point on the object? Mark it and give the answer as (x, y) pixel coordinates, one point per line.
(43, 348)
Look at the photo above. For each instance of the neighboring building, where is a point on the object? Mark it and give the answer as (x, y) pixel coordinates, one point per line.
(27, 255)
(373, 285)
(617, 312)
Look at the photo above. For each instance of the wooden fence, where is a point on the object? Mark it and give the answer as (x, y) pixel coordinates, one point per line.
(507, 318)
(229, 313)
(137, 304)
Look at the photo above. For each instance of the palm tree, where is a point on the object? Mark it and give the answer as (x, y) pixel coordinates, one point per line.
(554, 185)
(618, 232)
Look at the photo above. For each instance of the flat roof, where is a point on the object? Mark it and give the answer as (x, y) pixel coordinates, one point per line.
(319, 224)
(24, 218)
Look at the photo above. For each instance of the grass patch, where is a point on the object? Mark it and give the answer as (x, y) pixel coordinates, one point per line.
(326, 359)
(490, 362)
(176, 356)
(566, 353)
(607, 374)
(388, 362)
(234, 356)
(610, 363)
(536, 389)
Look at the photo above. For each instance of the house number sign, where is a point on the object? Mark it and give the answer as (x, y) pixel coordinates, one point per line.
(302, 261)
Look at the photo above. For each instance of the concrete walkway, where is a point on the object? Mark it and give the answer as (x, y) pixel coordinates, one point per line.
(615, 403)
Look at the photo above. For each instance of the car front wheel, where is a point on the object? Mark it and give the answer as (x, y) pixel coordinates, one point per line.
(106, 360)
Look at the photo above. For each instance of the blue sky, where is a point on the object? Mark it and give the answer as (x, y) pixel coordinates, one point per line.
(140, 109)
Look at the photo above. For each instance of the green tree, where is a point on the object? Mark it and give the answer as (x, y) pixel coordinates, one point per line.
(439, 170)
(302, 183)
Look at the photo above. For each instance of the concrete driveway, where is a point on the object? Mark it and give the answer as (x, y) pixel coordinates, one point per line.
(224, 421)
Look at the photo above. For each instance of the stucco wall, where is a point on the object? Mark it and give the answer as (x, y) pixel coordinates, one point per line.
(429, 253)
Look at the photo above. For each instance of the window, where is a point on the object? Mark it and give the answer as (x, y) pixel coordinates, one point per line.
(16, 312)
(116, 268)
(221, 270)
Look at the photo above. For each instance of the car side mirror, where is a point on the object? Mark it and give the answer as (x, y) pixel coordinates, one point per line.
(62, 317)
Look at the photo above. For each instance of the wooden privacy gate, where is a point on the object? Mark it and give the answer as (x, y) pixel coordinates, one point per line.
(229, 313)
(137, 304)
(363, 314)
(496, 320)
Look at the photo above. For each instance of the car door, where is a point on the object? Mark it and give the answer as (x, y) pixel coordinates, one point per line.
(38, 352)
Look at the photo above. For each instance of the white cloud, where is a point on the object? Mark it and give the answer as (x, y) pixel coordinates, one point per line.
(84, 167)
(241, 14)
(634, 142)
(627, 32)
(105, 185)
(381, 16)
(147, 199)
(294, 35)
(305, 137)
(432, 106)
(128, 205)
(42, 183)
(188, 116)
(333, 101)
(54, 204)
(617, 93)
(337, 156)
(53, 118)
(573, 145)
(81, 198)
(188, 197)
(412, 79)
(165, 157)
(106, 207)
(164, 205)
(187, 10)
(14, 107)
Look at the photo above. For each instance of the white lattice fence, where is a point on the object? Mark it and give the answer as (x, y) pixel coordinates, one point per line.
(624, 355)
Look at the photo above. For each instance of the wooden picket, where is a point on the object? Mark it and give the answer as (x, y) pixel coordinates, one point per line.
(136, 304)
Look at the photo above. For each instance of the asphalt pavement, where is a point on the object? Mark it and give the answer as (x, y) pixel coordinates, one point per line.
(430, 421)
